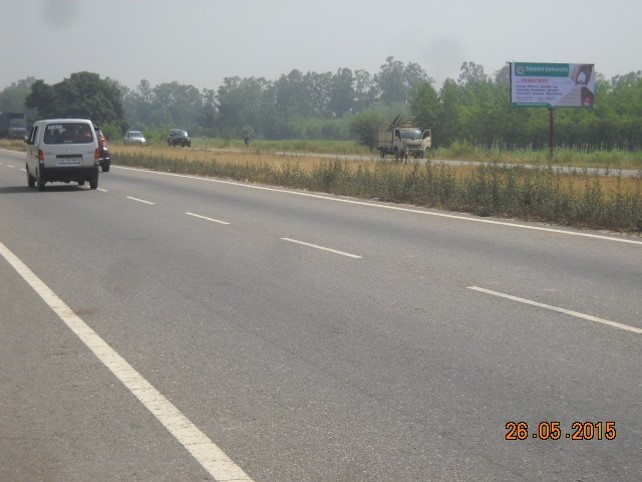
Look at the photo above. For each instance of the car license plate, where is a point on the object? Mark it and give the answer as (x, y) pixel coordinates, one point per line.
(68, 161)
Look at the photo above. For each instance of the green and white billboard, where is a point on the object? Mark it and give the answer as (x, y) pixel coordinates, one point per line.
(552, 85)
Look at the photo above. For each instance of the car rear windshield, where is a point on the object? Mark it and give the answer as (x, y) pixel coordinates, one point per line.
(68, 133)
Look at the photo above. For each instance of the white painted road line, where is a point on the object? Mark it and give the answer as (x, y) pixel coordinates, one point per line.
(206, 452)
(207, 219)
(389, 206)
(11, 166)
(139, 200)
(102, 190)
(342, 253)
(613, 324)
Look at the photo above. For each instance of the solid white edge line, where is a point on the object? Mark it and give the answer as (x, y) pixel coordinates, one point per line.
(139, 200)
(316, 246)
(207, 219)
(387, 206)
(206, 452)
(613, 324)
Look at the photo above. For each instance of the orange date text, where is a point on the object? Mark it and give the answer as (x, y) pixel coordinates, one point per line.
(555, 431)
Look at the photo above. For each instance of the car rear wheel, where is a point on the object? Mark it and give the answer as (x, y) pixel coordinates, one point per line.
(41, 182)
(93, 182)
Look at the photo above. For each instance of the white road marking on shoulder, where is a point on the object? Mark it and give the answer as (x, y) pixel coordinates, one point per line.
(316, 246)
(207, 219)
(387, 206)
(102, 190)
(206, 452)
(139, 200)
(576, 314)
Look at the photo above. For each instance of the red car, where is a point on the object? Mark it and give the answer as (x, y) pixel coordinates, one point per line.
(103, 146)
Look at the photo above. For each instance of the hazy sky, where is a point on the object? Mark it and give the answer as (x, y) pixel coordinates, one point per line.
(199, 42)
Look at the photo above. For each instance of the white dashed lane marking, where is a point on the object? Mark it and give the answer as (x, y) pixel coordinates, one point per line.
(576, 314)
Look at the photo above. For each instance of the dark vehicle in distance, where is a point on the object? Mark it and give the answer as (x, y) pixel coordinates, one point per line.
(103, 147)
(13, 125)
(178, 137)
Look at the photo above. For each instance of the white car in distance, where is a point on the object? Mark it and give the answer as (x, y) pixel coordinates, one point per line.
(134, 137)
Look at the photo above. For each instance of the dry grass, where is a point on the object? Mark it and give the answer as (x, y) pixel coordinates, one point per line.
(582, 199)
(229, 156)
(307, 163)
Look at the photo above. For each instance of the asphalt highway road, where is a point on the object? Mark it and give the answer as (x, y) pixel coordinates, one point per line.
(168, 327)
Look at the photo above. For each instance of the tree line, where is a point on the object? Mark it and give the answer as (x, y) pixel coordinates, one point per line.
(474, 108)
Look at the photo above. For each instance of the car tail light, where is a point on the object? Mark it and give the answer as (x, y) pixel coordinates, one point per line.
(97, 156)
(41, 156)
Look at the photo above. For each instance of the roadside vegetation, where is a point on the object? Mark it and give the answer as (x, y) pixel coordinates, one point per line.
(332, 119)
(520, 185)
(540, 193)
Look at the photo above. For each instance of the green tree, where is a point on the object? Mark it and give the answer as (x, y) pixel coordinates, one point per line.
(137, 104)
(41, 99)
(366, 126)
(293, 98)
(425, 106)
(342, 93)
(365, 91)
(448, 128)
(391, 81)
(395, 80)
(12, 98)
(319, 87)
(241, 103)
(83, 94)
(208, 114)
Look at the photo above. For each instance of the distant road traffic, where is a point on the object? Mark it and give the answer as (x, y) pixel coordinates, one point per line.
(169, 327)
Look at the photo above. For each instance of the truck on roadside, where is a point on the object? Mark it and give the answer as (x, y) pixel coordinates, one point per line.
(13, 125)
(403, 139)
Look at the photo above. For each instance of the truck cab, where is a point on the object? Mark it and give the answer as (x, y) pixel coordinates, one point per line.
(403, 139)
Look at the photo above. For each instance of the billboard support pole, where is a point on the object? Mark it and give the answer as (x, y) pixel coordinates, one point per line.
(551, 134)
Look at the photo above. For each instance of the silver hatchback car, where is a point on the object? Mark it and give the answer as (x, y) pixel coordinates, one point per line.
(135, 137)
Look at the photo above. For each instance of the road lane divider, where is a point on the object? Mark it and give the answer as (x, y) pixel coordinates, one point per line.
(206, 452)
(576, 314)
(139, 200)
(207, 219)
(389, 206)
(323, 248)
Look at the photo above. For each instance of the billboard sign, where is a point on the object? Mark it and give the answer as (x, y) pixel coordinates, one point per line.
(552, 85)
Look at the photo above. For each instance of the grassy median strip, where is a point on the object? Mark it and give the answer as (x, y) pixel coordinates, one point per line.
(582, 199)
(502, 187)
